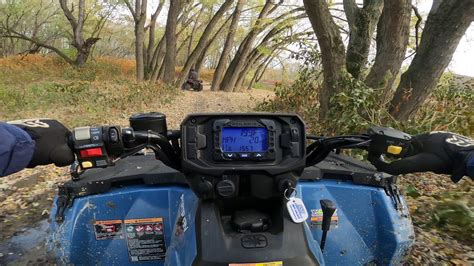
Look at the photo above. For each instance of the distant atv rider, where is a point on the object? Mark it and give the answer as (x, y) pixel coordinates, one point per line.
(193, 81)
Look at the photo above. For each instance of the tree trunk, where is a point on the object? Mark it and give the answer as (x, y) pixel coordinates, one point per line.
(393, 32)
(202, 56)
(444, 28)
(139, 47)
(157, 59)
(262, 72)
(243, 74)
(256, 53)
(202, 42)
(193, 31)
(84, 52)
(150, 50)
(332, 51)
(229, 42)
(139, 18)
(235, 67)
(83, 47)
(159, 54)
(161, 72)
(170, 32)
(259, 71)
(183, 44)
(362, 23)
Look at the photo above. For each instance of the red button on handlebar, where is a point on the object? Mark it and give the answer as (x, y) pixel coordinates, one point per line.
(94, 152)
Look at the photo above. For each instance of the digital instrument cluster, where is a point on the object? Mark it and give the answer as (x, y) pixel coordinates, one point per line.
(237, 143)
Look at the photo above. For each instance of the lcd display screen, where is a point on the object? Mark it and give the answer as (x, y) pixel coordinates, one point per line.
(244, 139)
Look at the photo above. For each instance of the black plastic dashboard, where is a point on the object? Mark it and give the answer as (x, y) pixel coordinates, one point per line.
(216, 144)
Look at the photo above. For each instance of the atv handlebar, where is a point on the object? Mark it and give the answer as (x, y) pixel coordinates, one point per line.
(108, 144)
(103, 146)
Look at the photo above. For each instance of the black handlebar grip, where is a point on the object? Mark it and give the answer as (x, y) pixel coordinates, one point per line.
(62, 155)
(421, 162)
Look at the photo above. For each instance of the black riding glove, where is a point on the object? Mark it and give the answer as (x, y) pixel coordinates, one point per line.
(51, 139)
(439, 152)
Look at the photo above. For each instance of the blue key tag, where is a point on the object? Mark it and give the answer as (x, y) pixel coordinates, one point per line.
(297, 210)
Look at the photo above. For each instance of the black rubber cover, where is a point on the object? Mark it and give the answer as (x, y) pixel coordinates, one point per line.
(149, 121)
(222, 246)
(132, 170)
(148, 170)
(342, 167)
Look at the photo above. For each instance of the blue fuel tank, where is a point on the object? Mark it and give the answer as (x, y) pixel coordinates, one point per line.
(142, 212)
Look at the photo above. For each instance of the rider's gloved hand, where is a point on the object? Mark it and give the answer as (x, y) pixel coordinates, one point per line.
(51, 141)
(439, 152)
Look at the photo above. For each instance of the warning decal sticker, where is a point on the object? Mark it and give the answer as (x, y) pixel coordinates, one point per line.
(270, 263)
(317, 218)
(111, 229)
(145, 239)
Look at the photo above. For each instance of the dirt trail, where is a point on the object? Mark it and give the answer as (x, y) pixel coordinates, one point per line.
(209, 101)
(26, 197)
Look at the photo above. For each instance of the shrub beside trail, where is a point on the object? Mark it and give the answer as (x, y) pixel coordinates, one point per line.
(355, 108)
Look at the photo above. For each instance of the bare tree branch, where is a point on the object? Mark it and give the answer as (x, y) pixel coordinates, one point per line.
(132, 11)
(419, 19)
(70, 17)
(18, 35)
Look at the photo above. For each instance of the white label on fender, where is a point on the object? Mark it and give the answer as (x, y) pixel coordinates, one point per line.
(297, 210)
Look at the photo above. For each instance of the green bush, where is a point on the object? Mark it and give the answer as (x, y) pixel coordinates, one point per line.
(299, 97)
(357, 107)
(449, 108)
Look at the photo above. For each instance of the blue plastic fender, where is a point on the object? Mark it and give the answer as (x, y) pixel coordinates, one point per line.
(369, 228)
(74, 241)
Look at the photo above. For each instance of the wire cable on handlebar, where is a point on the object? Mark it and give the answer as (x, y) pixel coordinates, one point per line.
(162, 156)
(161, 146)
(320, 149)
(314, 137)
(130, 152)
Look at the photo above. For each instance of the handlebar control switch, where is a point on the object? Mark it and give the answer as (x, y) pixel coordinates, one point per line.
(128, 135)
(82, 133)
(113, 135)
(97, 147)
(388, 141)
(395, 150)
